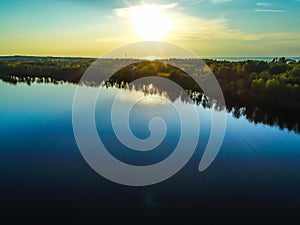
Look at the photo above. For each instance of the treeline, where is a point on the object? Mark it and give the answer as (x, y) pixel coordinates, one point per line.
(42, 69)
(273, 84)
(141, 69)
(249, 83)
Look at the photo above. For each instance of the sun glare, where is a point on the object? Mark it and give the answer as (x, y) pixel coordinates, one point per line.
(150, 22)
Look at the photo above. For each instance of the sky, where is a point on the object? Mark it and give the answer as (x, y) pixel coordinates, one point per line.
(210, 28)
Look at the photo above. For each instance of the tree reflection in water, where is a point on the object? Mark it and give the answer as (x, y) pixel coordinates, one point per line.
(271, 116)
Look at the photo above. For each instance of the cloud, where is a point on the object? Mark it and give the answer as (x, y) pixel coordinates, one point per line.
(196, 28)
(220, 1)
(192, 28)
(267, 9)
(195, 2)
(262, 4)
(126, 12)
(271, 10)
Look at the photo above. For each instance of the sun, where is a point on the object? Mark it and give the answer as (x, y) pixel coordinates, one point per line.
(151, 22)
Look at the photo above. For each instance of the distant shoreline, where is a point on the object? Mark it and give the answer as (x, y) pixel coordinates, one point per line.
(223, 58)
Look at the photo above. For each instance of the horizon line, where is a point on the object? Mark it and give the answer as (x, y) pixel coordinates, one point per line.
(87, 57)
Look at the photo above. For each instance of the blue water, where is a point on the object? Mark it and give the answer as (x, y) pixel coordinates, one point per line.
(257, 170)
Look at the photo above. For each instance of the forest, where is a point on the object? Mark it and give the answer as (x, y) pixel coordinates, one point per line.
(274, 84)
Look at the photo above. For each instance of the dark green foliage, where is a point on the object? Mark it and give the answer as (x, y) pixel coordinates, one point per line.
(155, 68)
(256, 83)
(275, 84)
(65, 69)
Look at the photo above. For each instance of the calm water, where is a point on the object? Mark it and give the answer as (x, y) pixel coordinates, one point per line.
(43, 175)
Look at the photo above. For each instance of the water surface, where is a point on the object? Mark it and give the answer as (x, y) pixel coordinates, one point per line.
(257, 170)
